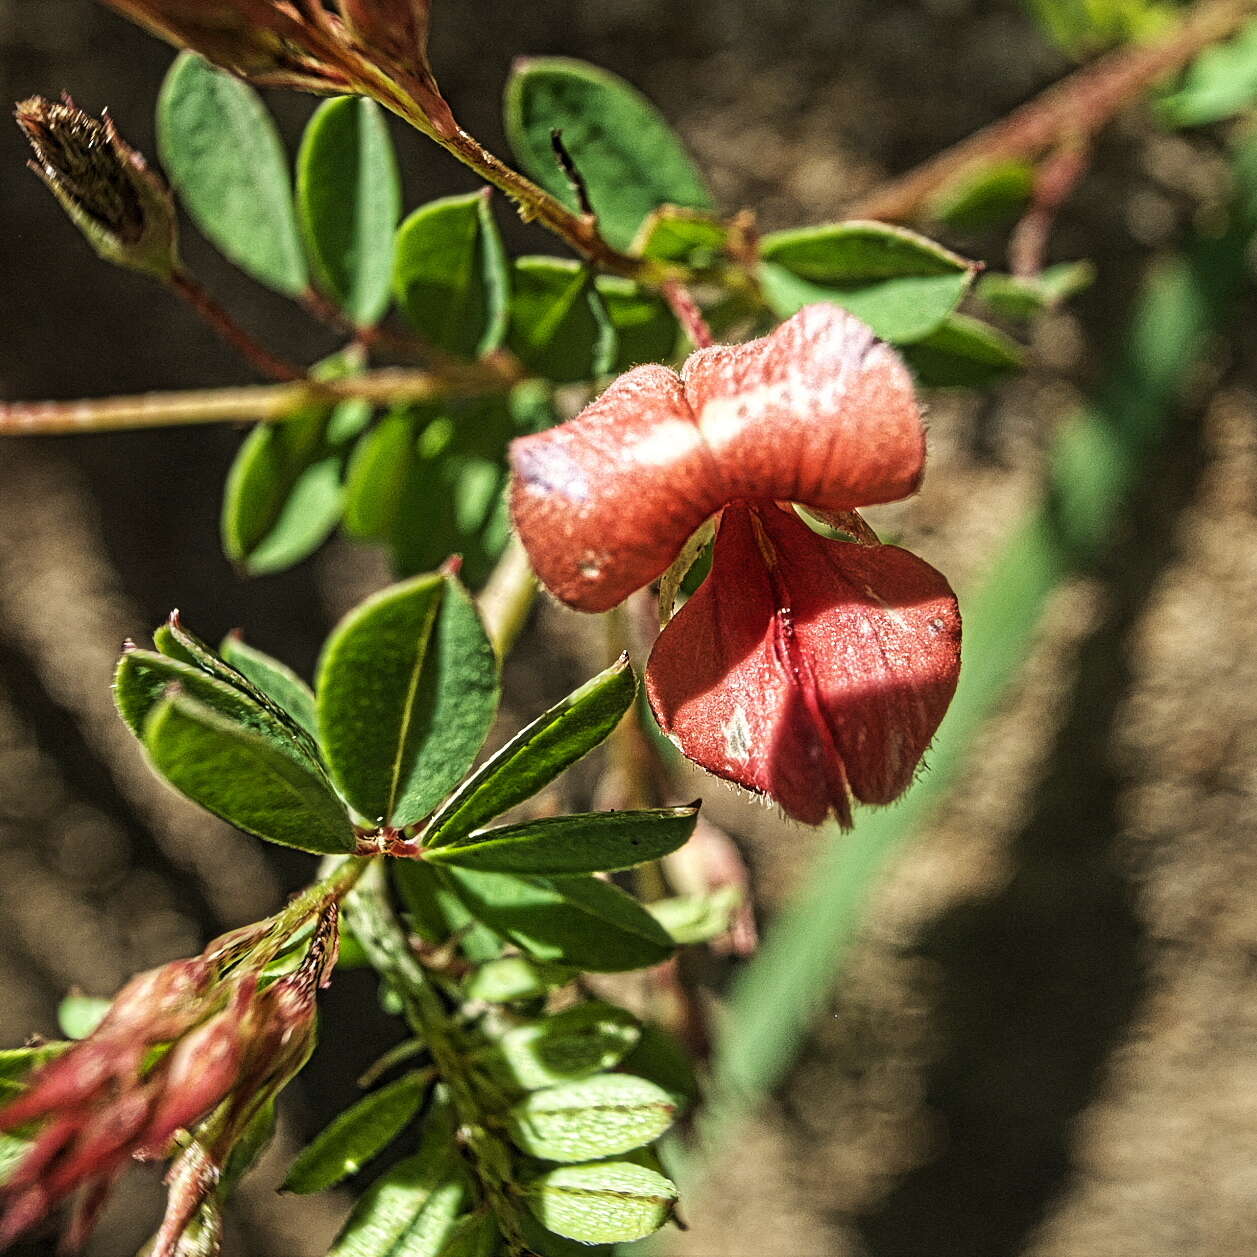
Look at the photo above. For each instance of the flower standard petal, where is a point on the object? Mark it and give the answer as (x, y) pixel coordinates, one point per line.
(604, 502)
(805, 669)
(819, 412)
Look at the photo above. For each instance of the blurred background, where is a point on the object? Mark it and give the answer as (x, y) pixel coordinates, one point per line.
(1045, 1041)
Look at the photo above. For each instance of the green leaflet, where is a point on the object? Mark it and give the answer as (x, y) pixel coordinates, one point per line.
(605, 1202)
(274, 679)
(673, 234)
(356, 1136)
(559, 328)
(451, 277)
(564, 1047)
(537, 754)
(579, 921)
(284, 492)
(963, 353)
(629, 157)
(646, 330)
(349, 199)
(513, 979)
(899, 283)
(984, 196)
(1022, 297)
(242, 777)
(411, 1211)
(224, 157)
(595, 842)
(1219, 84)
(598, 1117)
(407, 691)
(79, 1015)
(176, 641)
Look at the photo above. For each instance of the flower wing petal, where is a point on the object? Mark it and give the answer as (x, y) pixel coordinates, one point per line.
(604, 502)
(819, 412)
(809, 670)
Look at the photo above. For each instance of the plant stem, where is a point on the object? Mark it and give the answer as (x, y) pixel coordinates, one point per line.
(376, 927)
(508, 597)
(688, 313)
(224, 323)
(1078, 106)
(265, 403)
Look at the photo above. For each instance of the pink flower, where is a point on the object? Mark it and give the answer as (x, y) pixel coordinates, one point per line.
(810, 670)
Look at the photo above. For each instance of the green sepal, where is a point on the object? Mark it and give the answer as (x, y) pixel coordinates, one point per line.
(537, 754)
(407, 692)
(594, 842)
(628, 156)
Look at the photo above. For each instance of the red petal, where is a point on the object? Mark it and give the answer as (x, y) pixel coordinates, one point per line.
(809, 670)
(820, 412)
(604, 502)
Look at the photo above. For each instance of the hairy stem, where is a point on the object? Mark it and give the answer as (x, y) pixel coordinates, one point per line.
(265, 403)
(387, 947)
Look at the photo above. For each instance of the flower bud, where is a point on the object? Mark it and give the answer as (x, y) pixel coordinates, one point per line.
(398, 29)
(246, 36)
(123, 208)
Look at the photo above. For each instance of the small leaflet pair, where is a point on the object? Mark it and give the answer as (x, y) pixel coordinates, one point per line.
(810, 670)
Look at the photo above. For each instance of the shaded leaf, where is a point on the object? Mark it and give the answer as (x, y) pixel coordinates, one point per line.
(646, 330)
(476, 1235)
(629, 157)
(242, 777)
(349, 199)
(595, 842)
(407, 691)
(964, 353)
(693, 919)
(674, 234)
(579, 921)
(379, 474)
(451, 277)
(437, 914)
(1219, 84)
(356, 1136)
(537, 754)
(559, 327)
(1022, 297)
(223, 154)
(988, 196)
(564, 1047)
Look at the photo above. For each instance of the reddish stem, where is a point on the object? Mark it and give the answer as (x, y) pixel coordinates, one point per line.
(224, 323)
(689, 315)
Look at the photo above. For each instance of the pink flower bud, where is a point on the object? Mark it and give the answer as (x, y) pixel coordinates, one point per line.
(810, 670)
